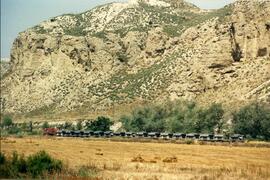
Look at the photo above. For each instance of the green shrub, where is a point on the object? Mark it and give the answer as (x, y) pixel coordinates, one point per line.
(24, 126)
(2, 158)
(40, 30)
(171, 30)
(189, 141)
(36, 165)
(18, 164)
(7, 121)
(19, 135)
(75, 31)
(4, 166)
(13, 168)
(101, 35)
(41, 163)
(122, 57)
(14, 130)
(35, 132)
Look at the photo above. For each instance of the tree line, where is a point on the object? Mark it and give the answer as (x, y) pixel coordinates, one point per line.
(8, 127)
(252, 120)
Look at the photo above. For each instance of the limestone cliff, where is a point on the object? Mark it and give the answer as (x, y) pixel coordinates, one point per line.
(113, 57)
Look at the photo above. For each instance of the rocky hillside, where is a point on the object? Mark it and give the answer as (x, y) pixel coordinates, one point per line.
(4, 66)
(116, 56)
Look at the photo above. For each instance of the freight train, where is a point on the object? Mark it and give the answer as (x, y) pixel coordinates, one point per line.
(150, 135)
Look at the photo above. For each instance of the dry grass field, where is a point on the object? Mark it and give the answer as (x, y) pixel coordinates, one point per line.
(134, 160)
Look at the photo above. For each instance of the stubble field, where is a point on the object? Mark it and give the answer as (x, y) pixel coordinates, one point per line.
(135, 160)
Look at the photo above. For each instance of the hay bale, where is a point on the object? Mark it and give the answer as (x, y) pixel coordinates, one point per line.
(172, 159)
(138, 159)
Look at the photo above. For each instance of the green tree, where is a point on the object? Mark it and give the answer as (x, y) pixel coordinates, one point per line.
(79, 125)
(156, 122)
(24, 126)
(67, 125)
(45, 125)
(265, 123)
(145, 119)
(175, 124)
(199, 121)
(194, 118)
(214, 118)
(179, 116)
(126, 122)
(100, 124)
(139, 118)
(252, 120)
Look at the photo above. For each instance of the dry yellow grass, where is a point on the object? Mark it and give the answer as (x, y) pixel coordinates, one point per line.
(134, 160)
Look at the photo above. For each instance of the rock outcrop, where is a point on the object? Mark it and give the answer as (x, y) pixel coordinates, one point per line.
(113, 57)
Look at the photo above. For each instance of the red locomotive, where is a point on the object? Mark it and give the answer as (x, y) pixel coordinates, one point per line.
(50, 131)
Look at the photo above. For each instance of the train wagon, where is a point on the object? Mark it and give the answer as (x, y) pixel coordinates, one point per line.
(237, 137)
(190, 136)
(142, 134)
(218, 137)
(108, 134)
(117, 134)
(152, 135)
(123, 134)
(86, 134)
(177, 135)
(50, 131)
(204, 137)
(129, 134)
(98, 133)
